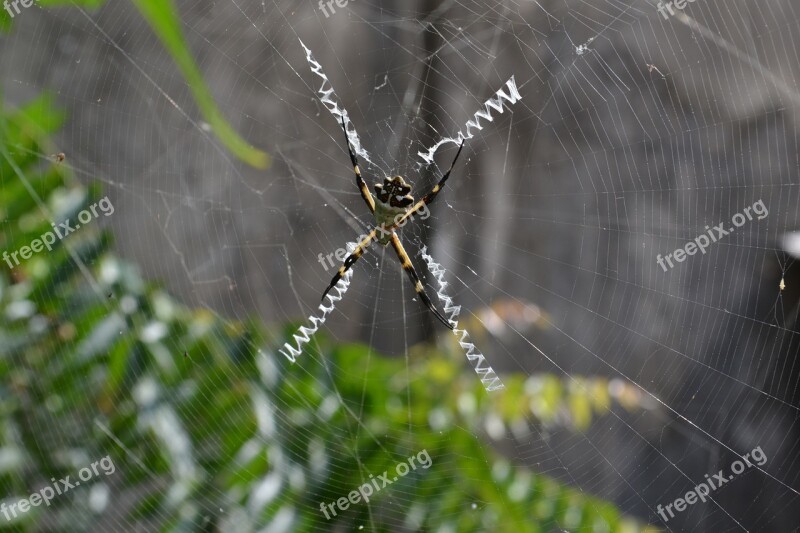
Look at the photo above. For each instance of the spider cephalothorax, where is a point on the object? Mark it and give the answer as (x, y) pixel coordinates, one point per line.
(394, 192)
(393, 209)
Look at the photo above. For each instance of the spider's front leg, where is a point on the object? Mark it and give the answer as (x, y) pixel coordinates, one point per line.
(351, 260)
(431, 196)
(362, 186)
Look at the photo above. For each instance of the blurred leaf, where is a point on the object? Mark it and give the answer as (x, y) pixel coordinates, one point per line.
(163, 18)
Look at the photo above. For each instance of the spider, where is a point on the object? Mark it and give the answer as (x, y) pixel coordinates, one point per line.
(394, 206)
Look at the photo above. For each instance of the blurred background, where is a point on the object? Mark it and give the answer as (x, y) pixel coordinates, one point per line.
(152, 336)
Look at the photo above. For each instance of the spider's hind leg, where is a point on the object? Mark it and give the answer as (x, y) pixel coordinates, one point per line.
(405, 261)
(350, 261)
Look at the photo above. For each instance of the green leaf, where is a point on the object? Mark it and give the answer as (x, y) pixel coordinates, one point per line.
(163, 18)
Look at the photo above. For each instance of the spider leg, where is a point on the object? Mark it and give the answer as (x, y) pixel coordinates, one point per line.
(350, 261)
(428, 198)
(365, 194)
(409, 268)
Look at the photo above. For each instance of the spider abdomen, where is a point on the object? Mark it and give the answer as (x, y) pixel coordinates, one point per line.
(387, 216)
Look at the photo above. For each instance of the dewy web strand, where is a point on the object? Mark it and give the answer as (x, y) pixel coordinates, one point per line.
(488, 376)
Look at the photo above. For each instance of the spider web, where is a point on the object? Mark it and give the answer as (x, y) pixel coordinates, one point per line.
(632, 132)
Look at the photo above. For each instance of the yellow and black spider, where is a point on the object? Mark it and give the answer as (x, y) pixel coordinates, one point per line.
(394, 207)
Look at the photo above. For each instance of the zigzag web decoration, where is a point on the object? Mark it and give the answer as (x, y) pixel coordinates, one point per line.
(304, 334)
(496, 103)
(488, 376)
(329, 99)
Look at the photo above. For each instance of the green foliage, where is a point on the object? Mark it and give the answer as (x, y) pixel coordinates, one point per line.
(163, 19)
(210, 429)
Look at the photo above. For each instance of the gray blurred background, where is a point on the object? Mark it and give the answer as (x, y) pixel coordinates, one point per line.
(564, 203)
